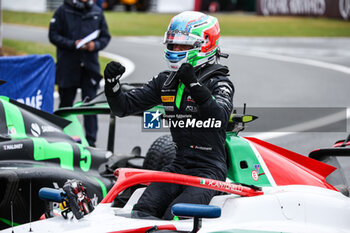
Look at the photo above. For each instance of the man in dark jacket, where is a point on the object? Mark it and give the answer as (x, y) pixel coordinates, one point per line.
(197, 98)
(78, 67)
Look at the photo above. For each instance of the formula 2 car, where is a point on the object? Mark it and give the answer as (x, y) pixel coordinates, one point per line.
(269, 189)
(38, 149)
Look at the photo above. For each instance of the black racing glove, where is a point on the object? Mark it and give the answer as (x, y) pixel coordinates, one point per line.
(187, 75)
(112, 73)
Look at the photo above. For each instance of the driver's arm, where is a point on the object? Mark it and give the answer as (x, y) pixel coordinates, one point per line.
(214, 99)
(220, 104)
(137, 100)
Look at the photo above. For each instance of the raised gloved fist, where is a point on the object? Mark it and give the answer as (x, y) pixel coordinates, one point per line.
(112, 73)
(186, 75)
(199, 93)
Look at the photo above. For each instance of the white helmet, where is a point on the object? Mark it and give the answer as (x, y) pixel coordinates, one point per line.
(193, 28)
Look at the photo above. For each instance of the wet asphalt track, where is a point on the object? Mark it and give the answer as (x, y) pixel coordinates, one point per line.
(266, 72)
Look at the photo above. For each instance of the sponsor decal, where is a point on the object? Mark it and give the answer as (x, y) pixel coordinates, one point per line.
(257, 168)
(221, 184)
(296, 7)
(189, 99)
(168, 90)
(33, 101)
(168, 98)
(190, 108)
(344, 8)
(12, 130)
(314, 7)
(35, 129)
(201, 148)
(49, 128)
(224, 91)
(169, 108)
(13, 147)
(255, 175)
(151, 120)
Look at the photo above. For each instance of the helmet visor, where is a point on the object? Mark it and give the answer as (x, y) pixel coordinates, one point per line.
(183, 38)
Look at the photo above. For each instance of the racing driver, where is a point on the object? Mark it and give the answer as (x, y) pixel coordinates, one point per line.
(196, 86)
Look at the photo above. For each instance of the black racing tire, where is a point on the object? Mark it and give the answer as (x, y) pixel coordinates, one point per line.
(161, 153)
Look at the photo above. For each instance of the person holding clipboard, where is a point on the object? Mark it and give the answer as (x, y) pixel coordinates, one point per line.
(79, 30)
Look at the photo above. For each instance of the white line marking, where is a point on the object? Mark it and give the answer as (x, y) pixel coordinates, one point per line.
(304, 126)
(304, 61)
(127, 63)
(262, 163)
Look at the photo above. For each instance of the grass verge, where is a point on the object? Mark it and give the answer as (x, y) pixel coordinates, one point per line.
(17, 47)
(145, 24)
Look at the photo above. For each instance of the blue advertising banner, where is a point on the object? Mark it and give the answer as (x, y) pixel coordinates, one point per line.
(29, 80)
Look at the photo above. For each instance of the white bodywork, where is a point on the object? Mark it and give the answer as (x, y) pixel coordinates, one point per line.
(293, 208)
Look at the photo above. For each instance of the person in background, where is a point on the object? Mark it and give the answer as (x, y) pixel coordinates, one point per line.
(196, 86)
(78, 67)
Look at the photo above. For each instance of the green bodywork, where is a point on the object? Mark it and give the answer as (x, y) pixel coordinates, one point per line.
(243, 161)
(44, 150)
(14, 119)
(8, 222)
(75, 129)
(103, 186)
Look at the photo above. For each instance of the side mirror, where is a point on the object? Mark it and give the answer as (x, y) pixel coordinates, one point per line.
(197, 212)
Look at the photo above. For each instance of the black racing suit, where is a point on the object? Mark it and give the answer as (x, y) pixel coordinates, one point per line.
(200, 151)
